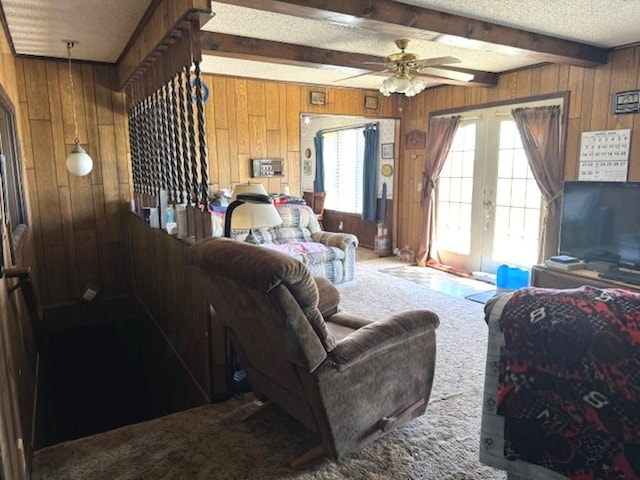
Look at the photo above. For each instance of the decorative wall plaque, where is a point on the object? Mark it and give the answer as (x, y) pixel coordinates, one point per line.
(416, 139)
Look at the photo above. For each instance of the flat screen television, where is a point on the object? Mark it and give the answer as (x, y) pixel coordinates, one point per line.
(601, 222)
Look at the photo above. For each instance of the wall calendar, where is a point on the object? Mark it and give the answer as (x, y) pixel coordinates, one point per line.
(604, 155)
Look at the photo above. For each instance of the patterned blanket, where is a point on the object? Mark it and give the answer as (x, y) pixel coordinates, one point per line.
(570, 381)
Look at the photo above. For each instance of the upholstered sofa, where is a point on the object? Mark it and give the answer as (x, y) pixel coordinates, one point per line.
(327, 254)
(562, 384)
(346, 378)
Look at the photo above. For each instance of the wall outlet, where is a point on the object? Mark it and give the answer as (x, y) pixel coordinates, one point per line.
(89, 292)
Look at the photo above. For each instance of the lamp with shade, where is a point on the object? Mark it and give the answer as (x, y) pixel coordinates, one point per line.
(250, 208)
(78, 162)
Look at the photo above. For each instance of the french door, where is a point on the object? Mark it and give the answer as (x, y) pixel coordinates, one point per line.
(488, 205)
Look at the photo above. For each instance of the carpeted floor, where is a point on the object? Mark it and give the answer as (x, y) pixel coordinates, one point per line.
(211, 442)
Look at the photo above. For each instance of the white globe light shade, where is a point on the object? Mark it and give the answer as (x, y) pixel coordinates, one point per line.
(417, 85)
(409, 87)
(402, 85)
(78, 162)
(388, 86)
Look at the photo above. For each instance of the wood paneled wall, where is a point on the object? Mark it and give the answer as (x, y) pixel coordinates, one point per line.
(590, 91)
(78, 223)
(18, 360)
(353, 223)
(174, 300)
(249, 118)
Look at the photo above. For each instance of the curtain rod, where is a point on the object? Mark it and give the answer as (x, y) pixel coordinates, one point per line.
(347, 127)
(495, 113)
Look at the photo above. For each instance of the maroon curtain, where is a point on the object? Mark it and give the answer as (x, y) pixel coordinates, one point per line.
(539, 129)
(441, 133)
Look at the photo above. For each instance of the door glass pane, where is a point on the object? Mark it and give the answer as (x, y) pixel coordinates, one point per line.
(518, 202)
(454, 193)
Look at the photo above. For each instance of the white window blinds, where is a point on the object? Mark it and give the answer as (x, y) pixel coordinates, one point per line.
(343, 170)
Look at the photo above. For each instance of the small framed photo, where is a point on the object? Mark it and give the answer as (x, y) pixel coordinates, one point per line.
(370, 103)
(318, 98)
(387, 150)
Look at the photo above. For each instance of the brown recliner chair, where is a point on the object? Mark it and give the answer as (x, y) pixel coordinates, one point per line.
(345, 378)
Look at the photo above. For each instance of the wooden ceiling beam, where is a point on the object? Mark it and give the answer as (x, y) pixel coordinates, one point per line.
(408, 21)
(246, 48)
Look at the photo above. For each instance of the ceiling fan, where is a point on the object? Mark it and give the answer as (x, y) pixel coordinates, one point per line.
(407, 69)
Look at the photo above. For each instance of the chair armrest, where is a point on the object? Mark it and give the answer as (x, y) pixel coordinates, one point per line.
(382, 335)
(495, 304)
(345, 319)
(340, 240)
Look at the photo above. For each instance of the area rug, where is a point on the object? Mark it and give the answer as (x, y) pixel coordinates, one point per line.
(482, 297)
(438, 280)
(212, 442)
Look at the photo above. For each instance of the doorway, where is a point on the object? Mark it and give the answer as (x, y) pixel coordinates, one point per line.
(488, 205)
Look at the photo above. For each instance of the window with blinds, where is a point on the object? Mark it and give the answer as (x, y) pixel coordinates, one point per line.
(343, 170)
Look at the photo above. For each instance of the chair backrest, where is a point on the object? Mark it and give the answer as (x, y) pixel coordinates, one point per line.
(269, 301)
(316, 201)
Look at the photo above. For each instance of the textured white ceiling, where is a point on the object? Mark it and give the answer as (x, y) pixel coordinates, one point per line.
(602, 23)
(103, 28)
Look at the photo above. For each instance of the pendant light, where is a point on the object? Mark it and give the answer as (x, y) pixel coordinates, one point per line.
(78, 162)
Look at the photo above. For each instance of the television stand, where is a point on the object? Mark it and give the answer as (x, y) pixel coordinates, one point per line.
(625, 276)
(545, 277)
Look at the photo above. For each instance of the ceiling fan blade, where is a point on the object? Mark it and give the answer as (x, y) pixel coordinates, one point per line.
(427, 62)
(444, 73)
(361, 75)
(386, 64)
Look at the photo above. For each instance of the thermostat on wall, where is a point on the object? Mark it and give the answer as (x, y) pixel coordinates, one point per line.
(626, 102)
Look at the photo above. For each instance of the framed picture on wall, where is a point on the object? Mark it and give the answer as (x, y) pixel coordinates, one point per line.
(370, 103)
(306, 167)
(387, 150)
(317, 98)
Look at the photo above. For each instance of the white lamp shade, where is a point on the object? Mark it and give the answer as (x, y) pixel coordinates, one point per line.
(253, 215)
(79, 162)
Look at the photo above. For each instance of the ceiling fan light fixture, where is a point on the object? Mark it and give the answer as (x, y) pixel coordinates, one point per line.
(409, 87)
(388, 86)
(416, 86)
(403, 85)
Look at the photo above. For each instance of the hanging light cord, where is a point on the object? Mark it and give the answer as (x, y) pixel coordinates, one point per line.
(70, 45)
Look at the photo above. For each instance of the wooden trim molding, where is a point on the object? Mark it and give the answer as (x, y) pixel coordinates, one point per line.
(149, 60)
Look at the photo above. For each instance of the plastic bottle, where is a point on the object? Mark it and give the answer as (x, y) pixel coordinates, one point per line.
(171, 214)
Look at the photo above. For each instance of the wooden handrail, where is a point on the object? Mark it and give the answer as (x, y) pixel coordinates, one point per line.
(23, 274)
